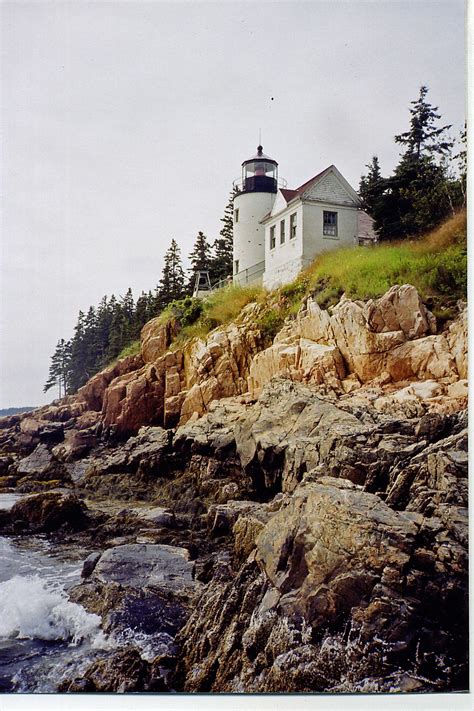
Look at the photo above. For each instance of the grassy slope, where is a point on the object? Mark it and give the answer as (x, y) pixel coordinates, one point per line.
(435, 264)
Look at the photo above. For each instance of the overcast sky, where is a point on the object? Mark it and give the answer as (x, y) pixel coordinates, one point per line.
(123, 125)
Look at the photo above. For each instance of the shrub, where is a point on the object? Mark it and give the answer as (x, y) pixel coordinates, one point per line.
(270, 322)
(186, 311)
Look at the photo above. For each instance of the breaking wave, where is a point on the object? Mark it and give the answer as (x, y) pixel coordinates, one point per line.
(33, 608)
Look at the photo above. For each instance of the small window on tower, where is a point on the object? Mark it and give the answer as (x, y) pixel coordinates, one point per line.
(236, 215)
(330, 223)
(293, 226)
(272, 237)
(236, 266)
(282, 232)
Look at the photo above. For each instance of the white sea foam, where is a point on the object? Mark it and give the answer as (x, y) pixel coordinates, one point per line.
(35, 609)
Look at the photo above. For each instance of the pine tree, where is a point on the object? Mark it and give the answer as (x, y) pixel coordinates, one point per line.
(221, 264)
(59, 368)
(142, 314)
(371, 187)
(415, 198)
(461, 165)
(104, 319)
(424, 137)
(127, 305)
(200, 258)
(171, 285)
(79, 372)
(118, 334)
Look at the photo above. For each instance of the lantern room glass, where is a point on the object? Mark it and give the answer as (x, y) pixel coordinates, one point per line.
(260, 176)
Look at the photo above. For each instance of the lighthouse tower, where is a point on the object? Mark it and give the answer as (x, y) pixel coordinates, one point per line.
(258, 189)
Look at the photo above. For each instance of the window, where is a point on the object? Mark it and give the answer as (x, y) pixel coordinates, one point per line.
(282, 232)
(293, 226)
(236, 266)
(330, 223)
(272, 237)
(236, 215)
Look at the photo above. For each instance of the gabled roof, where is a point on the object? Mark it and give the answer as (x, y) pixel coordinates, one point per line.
(299, 193)
(303, 188)
(288, 194)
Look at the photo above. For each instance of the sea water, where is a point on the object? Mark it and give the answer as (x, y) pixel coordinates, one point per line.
(44, 637)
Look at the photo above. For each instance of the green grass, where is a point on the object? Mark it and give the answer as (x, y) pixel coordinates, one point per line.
(224, 305)
(436, 265)
(130, 350)
(199, 316)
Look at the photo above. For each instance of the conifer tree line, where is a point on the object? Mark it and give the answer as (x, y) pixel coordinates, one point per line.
(428, 183)
(105, 330)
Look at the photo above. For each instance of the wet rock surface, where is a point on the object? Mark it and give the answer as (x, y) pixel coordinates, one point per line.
(46, 513)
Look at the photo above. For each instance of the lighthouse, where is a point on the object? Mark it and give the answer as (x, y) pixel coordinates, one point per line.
(257, 191)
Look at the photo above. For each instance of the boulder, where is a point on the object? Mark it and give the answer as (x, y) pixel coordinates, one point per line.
(287, 433)
(218, 367)
(221, 517)
(123, 671)
(89, 564)
(156, 338)
(457, 338)
(133, 400)
(41, 465)
(302, 360)
(92, 393)
(390, 334)
(400, 309)
(424, 359)
(147, 588)
(458, 389)
(157, 516)
(48, 512)
(77, 443)
(146, 451)
(162, 567)
(329, 547)
(246, 530)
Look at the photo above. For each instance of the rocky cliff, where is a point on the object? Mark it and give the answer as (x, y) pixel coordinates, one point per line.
(294, 514)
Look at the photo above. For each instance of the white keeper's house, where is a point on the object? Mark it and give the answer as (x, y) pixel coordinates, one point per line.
(278, 232)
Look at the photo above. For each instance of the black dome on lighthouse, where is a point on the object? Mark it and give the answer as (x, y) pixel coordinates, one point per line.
(260, 155)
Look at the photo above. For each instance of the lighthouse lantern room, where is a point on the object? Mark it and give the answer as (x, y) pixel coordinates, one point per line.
(260, 173)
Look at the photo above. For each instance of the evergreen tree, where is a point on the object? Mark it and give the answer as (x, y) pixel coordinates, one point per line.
(461, 166)
(104, 319)
(221, 264)
(91, 340)
(171, 285)
(142, 314)
(200, 258)
(371, 187)
(415, 198)
(118, 334)
(424, 137)
(79, 372)
(59, 369)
